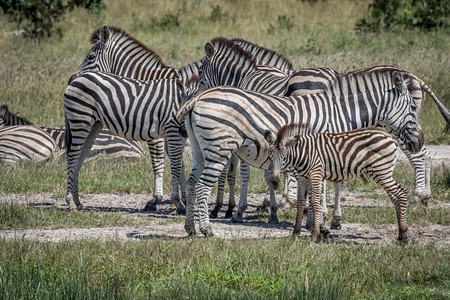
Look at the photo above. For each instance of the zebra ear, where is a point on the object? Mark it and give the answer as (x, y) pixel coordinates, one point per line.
(268, 136)
(104, 34)
(209, 49)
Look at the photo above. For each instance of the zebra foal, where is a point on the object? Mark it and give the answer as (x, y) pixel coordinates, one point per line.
(336, 157)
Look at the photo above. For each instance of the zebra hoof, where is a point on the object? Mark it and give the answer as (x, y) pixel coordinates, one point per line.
(403, 240)
(324, 235)
(336, 224)
(421, 196)
(214, 213)
(79, 207)
(228, 213)
(309, 226)
(274, 219)
(207, 232)
(149, 207)
(190, 230)
(181, 211)
(237, 218)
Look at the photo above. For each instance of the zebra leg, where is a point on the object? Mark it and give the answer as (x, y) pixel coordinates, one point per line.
(220, 191)
(319, 232)
(231, 179)
(421, 162)
(156, 149)
(175, 147)
(301, 204)
(197, 169)
(323, 207)
(273, 217)
(290, 188)
(245, 176)
(399, 197)
(337, 215)
(76, 154)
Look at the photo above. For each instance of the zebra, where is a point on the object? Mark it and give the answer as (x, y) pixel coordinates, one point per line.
(106, 144)
(26, 142)
(117, 52)
(226, 120)
(336, 157)
(227, 63)
(133, 109)
(329, 81)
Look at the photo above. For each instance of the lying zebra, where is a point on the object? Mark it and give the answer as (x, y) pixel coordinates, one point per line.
(336, 157)
(24, 142)
(106, 144)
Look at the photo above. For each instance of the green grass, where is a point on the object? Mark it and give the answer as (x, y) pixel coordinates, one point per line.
(18, 217)
(219, 269)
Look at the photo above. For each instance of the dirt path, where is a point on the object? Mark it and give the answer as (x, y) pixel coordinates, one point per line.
(164, 223)
(161, 223)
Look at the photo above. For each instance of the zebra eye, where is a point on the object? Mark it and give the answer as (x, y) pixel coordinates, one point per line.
(91, 56)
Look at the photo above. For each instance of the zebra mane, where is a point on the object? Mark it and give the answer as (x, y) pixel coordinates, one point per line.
(226, 45)
(259, 52)
(7, 116)
(291, 131)
(119, 33)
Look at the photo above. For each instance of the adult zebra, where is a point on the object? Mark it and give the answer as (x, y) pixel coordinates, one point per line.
(223, 67)
(133, 109)
(106, 144)
(116, 52)
(323, 80)
(26, 142)
(336, 157)
(226, 120)
(227, 63)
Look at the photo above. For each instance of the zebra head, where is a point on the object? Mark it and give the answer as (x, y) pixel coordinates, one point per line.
(277, 156)
(97, 58)
(226, 63)
(401, 115)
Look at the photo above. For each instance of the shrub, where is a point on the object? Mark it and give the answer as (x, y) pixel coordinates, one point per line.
(423, 14)
(38, 17)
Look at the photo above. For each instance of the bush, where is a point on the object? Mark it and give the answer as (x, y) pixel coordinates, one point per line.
(38, 17)
(423, 14)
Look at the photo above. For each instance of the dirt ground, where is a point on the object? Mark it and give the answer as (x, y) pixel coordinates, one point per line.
(161, 226)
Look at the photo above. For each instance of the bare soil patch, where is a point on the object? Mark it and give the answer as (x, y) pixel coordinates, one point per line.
(164, 223)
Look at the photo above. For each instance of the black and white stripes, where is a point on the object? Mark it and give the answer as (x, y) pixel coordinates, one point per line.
(130, 108)
(336, 157)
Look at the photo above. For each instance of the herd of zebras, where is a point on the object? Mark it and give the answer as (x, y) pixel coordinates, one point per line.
(241, 102)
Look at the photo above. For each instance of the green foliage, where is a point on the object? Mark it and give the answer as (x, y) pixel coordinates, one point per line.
(423, 14)
(38, 17)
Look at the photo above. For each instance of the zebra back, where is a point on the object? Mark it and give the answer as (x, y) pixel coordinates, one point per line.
(341, 156)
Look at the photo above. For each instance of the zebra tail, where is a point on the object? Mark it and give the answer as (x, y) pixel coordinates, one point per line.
(68, 134)
(186, 108)
(444, 111)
